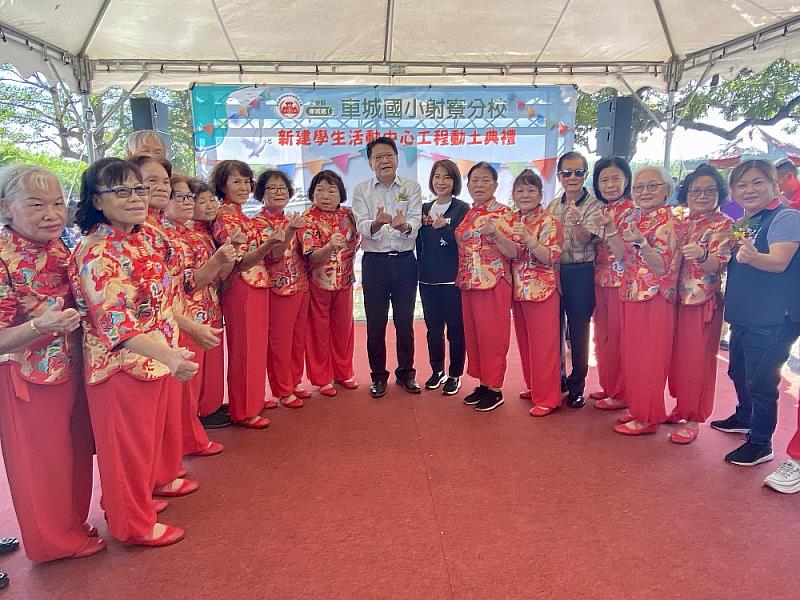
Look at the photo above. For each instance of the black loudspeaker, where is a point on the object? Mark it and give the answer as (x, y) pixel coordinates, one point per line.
(615, 127)
(147, 113)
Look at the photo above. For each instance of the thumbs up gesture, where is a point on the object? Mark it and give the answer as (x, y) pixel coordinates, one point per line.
(488, 229)
(226, 253)
(56, 320)
(747, 251)
(382, 217)
(398, 220)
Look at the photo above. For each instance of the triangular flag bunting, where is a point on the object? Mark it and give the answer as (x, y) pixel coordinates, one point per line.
(411, 154)
(516, 167)
(342, 162)
(546, 166)
(289, 169)
(464, 165)
(209, 129)
(531, 111)
(562, 128)
(315, 166)
(496, 166)
(437, 157)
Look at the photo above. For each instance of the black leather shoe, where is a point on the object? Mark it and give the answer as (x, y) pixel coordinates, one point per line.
(216, 420)
(8, 545)
(377, 389)
(3, 581)
(409, 385)
(575, 400)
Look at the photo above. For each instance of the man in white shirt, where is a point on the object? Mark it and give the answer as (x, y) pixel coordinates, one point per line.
(388, 212)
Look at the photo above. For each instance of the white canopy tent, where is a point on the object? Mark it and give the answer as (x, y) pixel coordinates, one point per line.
(627, 44)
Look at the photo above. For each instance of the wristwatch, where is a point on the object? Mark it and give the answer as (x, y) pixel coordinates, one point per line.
(639, 245)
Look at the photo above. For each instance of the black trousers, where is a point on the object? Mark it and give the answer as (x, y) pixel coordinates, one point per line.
(577, 306)
(441, 305)
(386, 278)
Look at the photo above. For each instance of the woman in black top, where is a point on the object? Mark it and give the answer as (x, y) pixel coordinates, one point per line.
(437, 256)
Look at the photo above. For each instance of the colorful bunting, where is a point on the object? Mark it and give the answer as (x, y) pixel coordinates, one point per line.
(562, 128)
(342, 161)
(411, 154)
(315, 166)
(517, 167)
(546, 167)
(289, 169)
(464, 165)
(209, 129)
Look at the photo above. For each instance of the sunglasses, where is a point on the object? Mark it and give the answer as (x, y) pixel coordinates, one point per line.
(576, 172)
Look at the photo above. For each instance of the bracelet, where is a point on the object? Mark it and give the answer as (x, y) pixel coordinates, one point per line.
(576, 223)
(35, 328)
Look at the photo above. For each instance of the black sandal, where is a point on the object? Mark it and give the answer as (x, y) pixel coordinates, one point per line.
(8, 545)
(3, 581)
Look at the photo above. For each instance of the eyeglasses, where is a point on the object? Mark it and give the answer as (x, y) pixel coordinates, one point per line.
(182, 197)
(124, 191)
(650, 187)
(710, 192)
(576, 172)
(275, 189)
(382, 157)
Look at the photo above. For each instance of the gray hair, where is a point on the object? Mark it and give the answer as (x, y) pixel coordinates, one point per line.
(662, 172)
(20, 177)
(137, 138)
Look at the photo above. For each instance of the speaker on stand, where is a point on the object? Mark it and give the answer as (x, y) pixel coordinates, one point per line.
(615, 127)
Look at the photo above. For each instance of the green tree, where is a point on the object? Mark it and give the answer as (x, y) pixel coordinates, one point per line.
(766, 98)
(42, 116)
(67, 170)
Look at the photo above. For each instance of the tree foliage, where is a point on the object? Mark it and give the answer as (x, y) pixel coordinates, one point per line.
(40, 115)
(766, 98)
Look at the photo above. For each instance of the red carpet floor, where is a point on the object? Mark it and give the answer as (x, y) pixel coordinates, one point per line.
(422, 497)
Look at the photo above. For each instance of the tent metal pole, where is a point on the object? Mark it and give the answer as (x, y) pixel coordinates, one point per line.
(120, 102)
(670, 128)
(88, 135)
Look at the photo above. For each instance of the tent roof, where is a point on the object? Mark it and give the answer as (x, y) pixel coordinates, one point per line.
(587, 42)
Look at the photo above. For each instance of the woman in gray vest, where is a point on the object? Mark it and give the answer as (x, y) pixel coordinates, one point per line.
(762, 305)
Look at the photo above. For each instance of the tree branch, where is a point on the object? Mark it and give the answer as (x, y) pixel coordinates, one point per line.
(731, 134)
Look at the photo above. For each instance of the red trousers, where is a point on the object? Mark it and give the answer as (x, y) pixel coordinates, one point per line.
(608, 339)
(288, 317)
(794, 444)
(127, 418)
(536, 325)
(169, 450)
(47, 449)
(194, 437)
(246, 311)
(487, 332)
(212, 388)
(330, 339)
(647, 333)
(693, 370)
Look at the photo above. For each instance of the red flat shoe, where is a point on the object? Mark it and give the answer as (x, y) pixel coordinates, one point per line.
(328, 390)
(600, 395)
(626, 429)
(627, 417)
(171, 535)
(525, 395)
(212, 449)
(540, 411)
(674, 418)
(94, 545)
(186, 487)
(295, 402)
(271, 403)
(609, 403)
(684, 436)
(253, 423)
(302, 393)
(349, 384)
(160, 505)
(89, 530)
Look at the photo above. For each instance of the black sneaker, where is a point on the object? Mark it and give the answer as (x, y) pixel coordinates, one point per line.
(451, 386)
(437, 379)
(217, 420)
(749, 455)
(730, 425)
(490, 401)
(476, 395)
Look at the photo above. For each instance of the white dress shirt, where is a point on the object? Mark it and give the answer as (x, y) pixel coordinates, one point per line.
(404, 195)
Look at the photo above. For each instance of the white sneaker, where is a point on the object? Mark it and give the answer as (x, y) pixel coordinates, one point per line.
(786, 479)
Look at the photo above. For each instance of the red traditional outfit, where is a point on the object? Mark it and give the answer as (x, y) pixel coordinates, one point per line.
(484, 277)
(245, 305)
(289, 300)
(608, 309)
(44, 421)
(693, 371)
(536, 309)
(123, 288)
(648, 312)
(330, 339)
